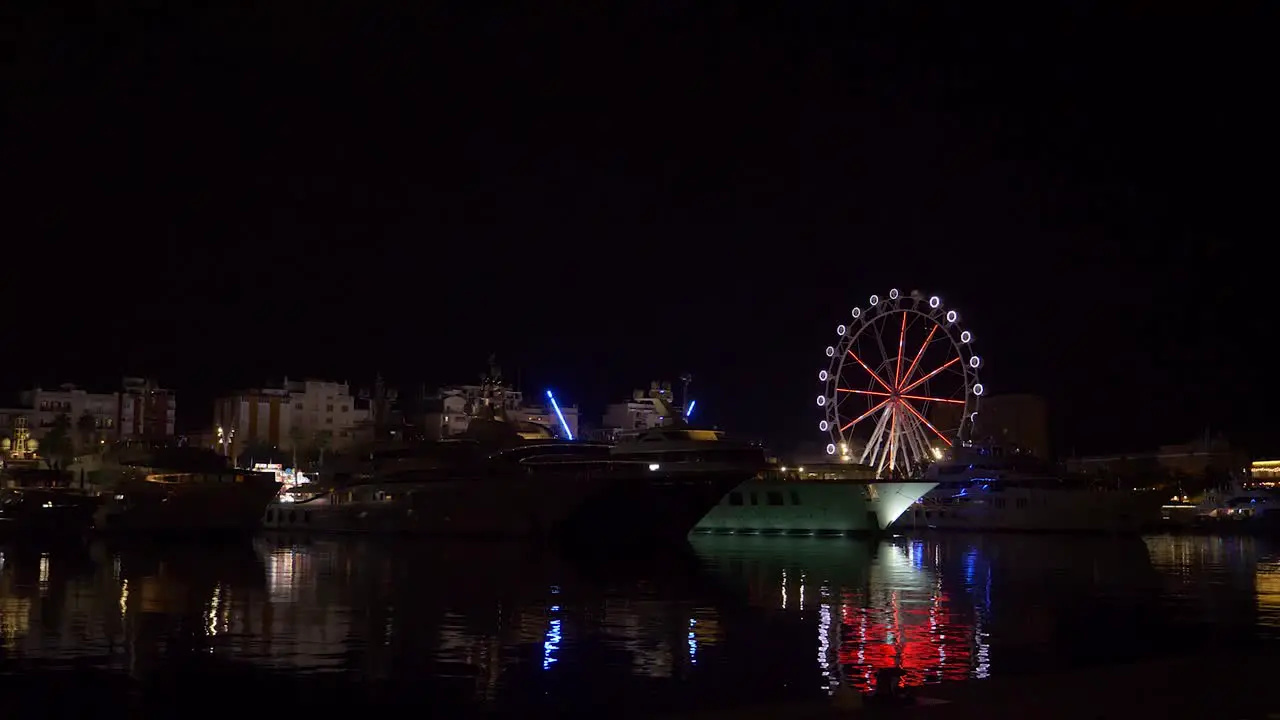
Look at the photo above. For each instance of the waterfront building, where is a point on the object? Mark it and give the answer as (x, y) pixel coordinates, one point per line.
(140, 409)
(289, 416)
(146, 409)
(43, 407)
(1204, 458)
(1265, 473)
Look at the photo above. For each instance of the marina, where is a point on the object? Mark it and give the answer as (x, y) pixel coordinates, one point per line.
(500, 628)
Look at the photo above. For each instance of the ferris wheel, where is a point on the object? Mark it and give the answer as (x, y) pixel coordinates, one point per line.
(902, 384)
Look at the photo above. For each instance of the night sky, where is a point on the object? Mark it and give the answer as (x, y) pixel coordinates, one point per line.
(220, 197)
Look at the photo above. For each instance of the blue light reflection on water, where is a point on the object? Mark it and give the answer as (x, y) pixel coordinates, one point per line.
(947, 608)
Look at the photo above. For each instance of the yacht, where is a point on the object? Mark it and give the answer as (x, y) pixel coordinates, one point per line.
(509, 479)
(43, 502)
(995, 488)
(181, 490)
(828, 500)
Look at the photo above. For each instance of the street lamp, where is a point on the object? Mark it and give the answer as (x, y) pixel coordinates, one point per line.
(225, 438)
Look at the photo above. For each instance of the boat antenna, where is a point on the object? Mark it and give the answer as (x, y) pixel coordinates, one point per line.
(685, 379)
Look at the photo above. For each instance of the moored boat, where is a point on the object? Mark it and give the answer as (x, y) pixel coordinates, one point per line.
(996, 488)
(43, 503)
(183, 491)
(652, 488)
(824, 500)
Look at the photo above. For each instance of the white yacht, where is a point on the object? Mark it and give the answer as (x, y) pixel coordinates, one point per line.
(824, 500)
(995, 488)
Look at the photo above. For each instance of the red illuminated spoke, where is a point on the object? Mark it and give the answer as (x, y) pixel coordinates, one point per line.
(865, 415)
(870, 372)
(927, 423)
(902, 339)
(920, 353)
(922, 398)
(921, 381)
(863, 392)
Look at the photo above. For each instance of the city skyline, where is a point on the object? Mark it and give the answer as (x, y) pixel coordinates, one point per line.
(604, 211)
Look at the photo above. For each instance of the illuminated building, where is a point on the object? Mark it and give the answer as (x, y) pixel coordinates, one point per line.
(293, 413)
(140, 409)
(146, 410)
(46, 405)
(1265, 472)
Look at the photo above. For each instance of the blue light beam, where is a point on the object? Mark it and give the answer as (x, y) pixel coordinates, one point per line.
(556, 406)
(689, 410)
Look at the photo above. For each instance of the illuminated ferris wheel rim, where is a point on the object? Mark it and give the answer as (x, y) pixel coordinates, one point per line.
(902, 434)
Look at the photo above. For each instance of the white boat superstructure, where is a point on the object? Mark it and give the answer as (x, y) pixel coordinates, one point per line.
(995, 488)
(825, 500)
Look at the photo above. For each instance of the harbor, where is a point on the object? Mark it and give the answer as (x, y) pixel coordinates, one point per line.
(632, 361)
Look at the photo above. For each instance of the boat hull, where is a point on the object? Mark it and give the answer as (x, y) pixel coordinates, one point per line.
(640, 510)
(511, 507)
(625, 504)
(822, 507)
(46, 513)
(195, 508)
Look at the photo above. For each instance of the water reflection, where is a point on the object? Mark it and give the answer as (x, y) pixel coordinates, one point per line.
(497, 626)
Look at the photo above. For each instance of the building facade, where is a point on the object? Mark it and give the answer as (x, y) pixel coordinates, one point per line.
(291, 416)
(141, 409)
(146, 409)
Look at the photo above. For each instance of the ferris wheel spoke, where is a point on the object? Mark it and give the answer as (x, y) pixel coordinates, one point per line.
(870, 372)
(919, 354)
(921, 381)
(902, 340)
(872, 448)
(926, 423)
(919, 442)
(922, 398)
(893, 436)
(865, 415)
(876, 393)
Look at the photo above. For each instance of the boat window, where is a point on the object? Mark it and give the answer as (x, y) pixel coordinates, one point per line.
(999, 503)
(754, 501)
(306, 516)
(774, 498)
(795, 498)
(735, 498)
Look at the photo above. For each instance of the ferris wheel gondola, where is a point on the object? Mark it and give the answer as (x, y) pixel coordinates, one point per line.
(901, 385)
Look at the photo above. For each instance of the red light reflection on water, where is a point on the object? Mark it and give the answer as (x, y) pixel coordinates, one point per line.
(930, 639)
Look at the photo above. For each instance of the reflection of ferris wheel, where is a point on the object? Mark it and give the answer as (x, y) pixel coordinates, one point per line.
(902, 384)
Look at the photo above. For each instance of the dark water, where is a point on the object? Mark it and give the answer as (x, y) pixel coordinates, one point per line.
(294, 624)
